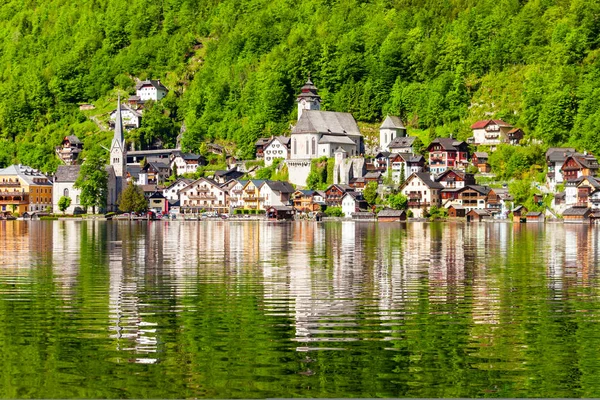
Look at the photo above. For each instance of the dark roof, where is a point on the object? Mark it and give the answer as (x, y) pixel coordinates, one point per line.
(383, 154)
(401, 142)
(152, 82)
(480, 189)
(73, 139)
(284, 140)
(355, 195)
(559, 154)
(576, 211)
(134, 170)
(230, 174)
(309, 90)
(279, 186)
(306, 192)
(484, 123)
(390, 212)
(327, 122)
(282, 208)
(424, 176)
(585, 160)
(262, 141)
(447, 144)
(392, 122)
(157, 195)
(344, 188)
(593, 181)
(67, 173)
(518, 208)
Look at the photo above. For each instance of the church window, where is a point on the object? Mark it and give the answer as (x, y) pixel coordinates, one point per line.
(295, 146)
(306, 146)
(66, 192)
(314, 146)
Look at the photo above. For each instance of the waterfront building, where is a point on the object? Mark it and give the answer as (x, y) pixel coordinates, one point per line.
(171, 192)
(24, 189)
(577, 165)
(203, 194)
(275, 193)
(186, 163)
(422, 193)
(353, 202)
(555, 158)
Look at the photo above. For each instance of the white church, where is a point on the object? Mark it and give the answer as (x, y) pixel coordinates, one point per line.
(319, 133)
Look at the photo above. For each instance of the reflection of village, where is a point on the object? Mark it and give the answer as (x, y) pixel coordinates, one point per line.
(325, 278)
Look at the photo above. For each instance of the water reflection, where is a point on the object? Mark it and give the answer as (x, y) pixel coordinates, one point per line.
(429, 309)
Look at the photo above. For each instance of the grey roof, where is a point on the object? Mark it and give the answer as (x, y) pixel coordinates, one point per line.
(327, 122)
(373, 174)
(306, 192)
(518, 208)
(480, 189)
(390, 212)
(383, 154)
(152, 82)
(480, 211)
(166, 152)
(148, 188)
(134, 170)
(481, 154)
(125, 107)
(282, 208)
(336, 140)
(576, 211)
(533, 214)
(447, 143)
(284, 140)
(392, 122)
(559, 154)
(262, 141)
(456, 206)
(26, 173)
(427, 180)
(593, 181)
(415, 158)
(341, 186)
(280, 186)
(67, 173)
(401, 142)
(73, 139)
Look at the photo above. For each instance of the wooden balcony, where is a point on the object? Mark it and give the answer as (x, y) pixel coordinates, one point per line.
(10, 184)
(202, 197)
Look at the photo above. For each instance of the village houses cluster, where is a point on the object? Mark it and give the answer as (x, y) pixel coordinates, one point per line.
(442, 178)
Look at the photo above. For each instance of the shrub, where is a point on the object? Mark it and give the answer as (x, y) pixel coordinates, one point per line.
(334, 212)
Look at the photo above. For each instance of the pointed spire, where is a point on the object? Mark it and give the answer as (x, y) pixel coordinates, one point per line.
(119, 126)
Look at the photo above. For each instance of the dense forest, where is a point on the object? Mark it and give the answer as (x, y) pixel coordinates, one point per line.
(235, 66)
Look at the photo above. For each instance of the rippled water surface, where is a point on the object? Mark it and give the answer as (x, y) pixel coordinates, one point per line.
(256, 309)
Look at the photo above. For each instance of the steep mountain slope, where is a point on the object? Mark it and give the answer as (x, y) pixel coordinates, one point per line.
(234, 66)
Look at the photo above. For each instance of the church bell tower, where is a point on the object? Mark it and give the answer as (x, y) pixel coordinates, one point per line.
(308, 99)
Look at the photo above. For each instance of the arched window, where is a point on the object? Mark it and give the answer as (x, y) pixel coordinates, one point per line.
(314, 146)
(307, 147)
(66, 192)
(77, 200)
(295, 149)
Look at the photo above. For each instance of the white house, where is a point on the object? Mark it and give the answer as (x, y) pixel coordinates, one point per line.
(275, 193)
(171, 192)
(186, 162)
(234, 188)
(422, 193)
(277, 147)
(131, 119)
(203, 194)
(151, 90)
(402, 144)
(404, 163)
(352, 202)
(391, 128)
(555, 158)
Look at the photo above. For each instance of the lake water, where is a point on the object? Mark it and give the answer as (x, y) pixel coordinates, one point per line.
(94, 309)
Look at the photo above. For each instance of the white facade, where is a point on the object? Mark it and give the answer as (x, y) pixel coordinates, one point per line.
(183, 166)
(203, 194)
(66, 189)
(131, 118)
(148, 91)
(308, 104)
(171, 193)
(272, 198)
(275, 149)
(420, 195)
(570, 194)
(349, 205)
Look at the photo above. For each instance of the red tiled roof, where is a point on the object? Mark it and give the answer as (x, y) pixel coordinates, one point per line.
(484, 123)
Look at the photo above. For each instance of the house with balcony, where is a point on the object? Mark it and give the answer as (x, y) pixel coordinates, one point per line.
(555, 159)
(24, 189)
(474, 197)
(203, 194)
(334, 194)
(185, 163)
(422, 193)
(402, 165)
(480, 160)
(235, 189)
(304, 201)
(446, 153)
(171, 192)
(403, 144)
(69, 150)
(584, 192)
(251, 198)
(499, 201)
(353, 202)
(577, 165)
(154, 173)
(493, 132)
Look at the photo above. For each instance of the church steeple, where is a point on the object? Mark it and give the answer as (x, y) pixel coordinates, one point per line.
(308, 99)
(118, 152)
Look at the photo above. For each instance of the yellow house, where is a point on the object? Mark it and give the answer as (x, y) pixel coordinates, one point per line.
(24, 189)
(251, 194)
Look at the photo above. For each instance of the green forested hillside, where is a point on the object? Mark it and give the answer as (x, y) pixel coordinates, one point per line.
(235, 66)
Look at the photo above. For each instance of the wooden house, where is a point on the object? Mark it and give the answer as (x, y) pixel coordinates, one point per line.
(477, 215)
(519, 213)
(280, 213)
(534, 216)
(480, 160)
(577, 214)
(334, 194)
(391, 215)
(456, 211)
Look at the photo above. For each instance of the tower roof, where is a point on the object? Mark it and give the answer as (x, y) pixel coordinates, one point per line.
(309, 90)
(118, 136)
